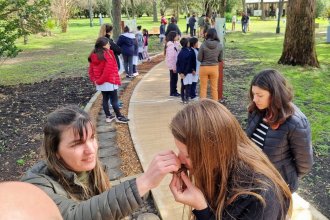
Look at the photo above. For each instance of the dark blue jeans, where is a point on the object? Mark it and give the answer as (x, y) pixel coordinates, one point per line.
(185, 91)
(128, 64)
(113, 97)
(193, 90)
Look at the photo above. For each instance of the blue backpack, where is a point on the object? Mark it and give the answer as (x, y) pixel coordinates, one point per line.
(139, 38)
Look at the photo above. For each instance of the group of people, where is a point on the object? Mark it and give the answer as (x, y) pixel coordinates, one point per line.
(192, 63)
(245, 21)
(220, 171)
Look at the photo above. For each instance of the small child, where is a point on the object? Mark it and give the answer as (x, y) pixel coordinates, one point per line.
(171, 51)
(145, 44)
(161, 33)
(186, 67)
(193, 42)
(140, 42)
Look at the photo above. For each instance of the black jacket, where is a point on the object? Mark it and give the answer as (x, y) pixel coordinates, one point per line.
(186, 62)
(248, 207)
(289, 147)
(172, 27)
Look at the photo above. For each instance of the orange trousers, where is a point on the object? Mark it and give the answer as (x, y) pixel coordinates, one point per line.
(209, 73)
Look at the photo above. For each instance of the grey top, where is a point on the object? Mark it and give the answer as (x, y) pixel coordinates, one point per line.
(210, 53)
(121, 200)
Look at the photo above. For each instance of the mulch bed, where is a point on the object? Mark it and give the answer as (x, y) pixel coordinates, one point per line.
(23, 110)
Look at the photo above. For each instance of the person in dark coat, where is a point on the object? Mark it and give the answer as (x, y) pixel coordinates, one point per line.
(127, 42)
(192, 21)
(173, 27)
(278, 127)
(73, 177)
(224, 175)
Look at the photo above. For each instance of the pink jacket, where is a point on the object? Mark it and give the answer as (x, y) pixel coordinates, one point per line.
(172, 51)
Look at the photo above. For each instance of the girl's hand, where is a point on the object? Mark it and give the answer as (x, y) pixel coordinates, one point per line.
(182, 75)
(162, 164)
(189, 194)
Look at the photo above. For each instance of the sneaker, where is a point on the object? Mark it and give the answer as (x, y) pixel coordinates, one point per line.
(129, 76)
(195, 98)
(136, 74)
(122, 119)
(109, 118)
(177, 94)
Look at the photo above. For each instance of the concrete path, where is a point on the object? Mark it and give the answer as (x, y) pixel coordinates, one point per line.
(150, 111)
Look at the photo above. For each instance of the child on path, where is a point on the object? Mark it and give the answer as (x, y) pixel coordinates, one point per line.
(135, 58)
(145, 44)
(161, 33)
(140, 42)
(186, 67)
(193, 42)
(172, 50)
(103, 72)
(126, 42)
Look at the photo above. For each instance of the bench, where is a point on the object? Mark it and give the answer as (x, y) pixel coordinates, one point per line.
(154, 31)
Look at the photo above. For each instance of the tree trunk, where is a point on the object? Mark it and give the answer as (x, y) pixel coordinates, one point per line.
(154, 7)
(133, 9)
(116, 15)
(299, 41)
(207, 9)
(263, 17)
(126, 9)
(244, 6)
(222, 8)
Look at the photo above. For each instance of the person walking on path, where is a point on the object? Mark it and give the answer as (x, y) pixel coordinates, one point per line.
(173, 27)
(186, 67)
(192, 21)
(126, 42)
(103, 72)
(201, 23)
(210, 54)
(207, 26)
(244, 20)
(74, 178)
(193, 43)
(139, 38)
(233, 22)
(228, 177)
(187, 23)
(146, 44)
(172, 50)
(278, 127)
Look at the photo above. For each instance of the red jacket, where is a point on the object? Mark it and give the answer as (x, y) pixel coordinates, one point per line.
(101, 71)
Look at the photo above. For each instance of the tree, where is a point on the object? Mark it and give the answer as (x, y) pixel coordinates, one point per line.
(154, 7)
(133, 8)
(263, 17)
(116, 15)
(299, 41)
(62, 10)
(20, 18)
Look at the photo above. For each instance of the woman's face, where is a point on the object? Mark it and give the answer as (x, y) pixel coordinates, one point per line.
(75, 155)
(107, 46)
(176, 37)
(183, 154)
(261, 97)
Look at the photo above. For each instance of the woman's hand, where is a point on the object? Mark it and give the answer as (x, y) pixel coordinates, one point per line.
(189, 194)
(182, 75)
(162, 164)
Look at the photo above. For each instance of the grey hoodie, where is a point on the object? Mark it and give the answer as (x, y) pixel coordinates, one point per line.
(210, 53)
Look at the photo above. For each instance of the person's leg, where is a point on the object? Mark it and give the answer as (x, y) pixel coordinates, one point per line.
(175, 83)
(114, 102)
(171, 83)
(187, 28)
(191, 31)
(182, 91)
(187, 90)
(193, 90)
(214, 76)
(125, 59)
(203, 76)
(146, 52)
(130, 65)
(105, 105)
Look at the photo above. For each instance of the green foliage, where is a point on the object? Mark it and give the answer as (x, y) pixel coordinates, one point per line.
(20, 18)
(320, 8)
(20, 162)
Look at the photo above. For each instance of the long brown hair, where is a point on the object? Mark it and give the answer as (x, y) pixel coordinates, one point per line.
(105, 29)
(99, 48)
(224, 159)
(281, 95)
(79, 120)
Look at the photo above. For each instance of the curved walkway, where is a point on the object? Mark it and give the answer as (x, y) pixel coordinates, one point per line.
(150, 111)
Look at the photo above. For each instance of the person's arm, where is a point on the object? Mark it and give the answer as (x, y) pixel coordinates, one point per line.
(200, 53)
(115, 48)
(90, 72)
(301, 146)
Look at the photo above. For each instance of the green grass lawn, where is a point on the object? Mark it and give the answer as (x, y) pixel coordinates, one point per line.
(65, 54)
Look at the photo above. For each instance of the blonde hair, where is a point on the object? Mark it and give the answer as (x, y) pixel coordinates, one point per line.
(224, 159)
(105, 29)
(79, 120)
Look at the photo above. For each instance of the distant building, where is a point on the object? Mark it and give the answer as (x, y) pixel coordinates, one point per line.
(271, 7)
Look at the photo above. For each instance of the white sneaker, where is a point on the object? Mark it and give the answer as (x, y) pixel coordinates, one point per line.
(110, 119)
(136, 74)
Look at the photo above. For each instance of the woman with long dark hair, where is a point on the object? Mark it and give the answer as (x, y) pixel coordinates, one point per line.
(278, 127)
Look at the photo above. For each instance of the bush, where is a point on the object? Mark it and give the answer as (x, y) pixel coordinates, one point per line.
(228, 17)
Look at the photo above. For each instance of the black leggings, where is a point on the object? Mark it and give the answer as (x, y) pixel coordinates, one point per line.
(112, 95)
